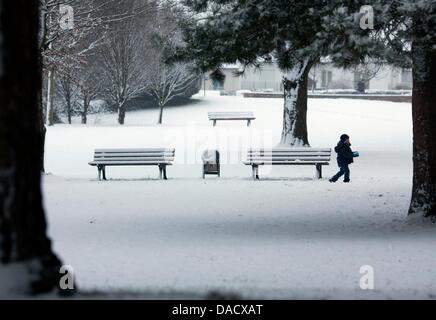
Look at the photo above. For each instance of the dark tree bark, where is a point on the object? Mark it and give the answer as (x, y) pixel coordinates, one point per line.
(424, 130)
(23, 224)
(86, 102)
(121, 113)
(69, 112)
(43, 131)
(161, 109)
(65, 88)
(295, 106)
(67, 97)
(50, 97)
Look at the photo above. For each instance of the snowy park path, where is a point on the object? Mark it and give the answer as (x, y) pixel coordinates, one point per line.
(279, 238)
(286, 236)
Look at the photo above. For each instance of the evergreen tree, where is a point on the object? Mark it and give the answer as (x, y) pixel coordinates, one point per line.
(257, 31)
(296, 34)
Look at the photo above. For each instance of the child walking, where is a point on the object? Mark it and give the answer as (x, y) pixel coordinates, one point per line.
(345, 158)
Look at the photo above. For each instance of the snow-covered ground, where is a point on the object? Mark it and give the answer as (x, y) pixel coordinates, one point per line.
(286, 236)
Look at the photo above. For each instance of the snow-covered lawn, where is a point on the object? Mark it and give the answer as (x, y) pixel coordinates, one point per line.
(286, 236)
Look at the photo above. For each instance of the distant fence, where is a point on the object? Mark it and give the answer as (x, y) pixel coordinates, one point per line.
(391, 98)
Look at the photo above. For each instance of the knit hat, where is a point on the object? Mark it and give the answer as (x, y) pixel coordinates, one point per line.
(344, 137)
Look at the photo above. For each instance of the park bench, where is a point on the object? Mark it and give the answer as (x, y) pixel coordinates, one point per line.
(133, 157)
(236, 115)
(288, 156)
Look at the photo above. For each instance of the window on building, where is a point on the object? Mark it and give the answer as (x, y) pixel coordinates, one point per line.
(406, 76)
(326, 78)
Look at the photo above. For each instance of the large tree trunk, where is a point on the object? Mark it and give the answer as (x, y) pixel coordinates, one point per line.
(43, 131)
(424, 130)
(85, 110)
(295, 106)
(161, 108)
(69, 111)
(50, 95)
(121, 113)
(23, 237)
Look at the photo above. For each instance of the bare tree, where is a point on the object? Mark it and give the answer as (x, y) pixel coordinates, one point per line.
(89, 86)
(166, 82)
(125, 75)
(67, 87)
(57, 43)
(68, 31)
(364, 72)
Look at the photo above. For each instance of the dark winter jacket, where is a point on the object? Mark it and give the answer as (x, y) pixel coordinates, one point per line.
(345, 154)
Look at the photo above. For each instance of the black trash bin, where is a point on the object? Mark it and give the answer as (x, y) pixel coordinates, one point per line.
(211, 162)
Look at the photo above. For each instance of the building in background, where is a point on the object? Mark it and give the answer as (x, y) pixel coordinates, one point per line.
(323, 76)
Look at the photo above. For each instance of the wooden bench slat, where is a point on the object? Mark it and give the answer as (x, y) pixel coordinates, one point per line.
(129, 163)
(231, 112)
(283, 154)
(285, 163)
(233, 117)
(132, 159)
(289, 159)
(110, 154)
(296, 154)
(148, 150)
(289, 150)
(132, 155)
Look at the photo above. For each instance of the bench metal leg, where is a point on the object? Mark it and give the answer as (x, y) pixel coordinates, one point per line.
(248, 123)
(318, 171)
(255, 170)
(104, 172)
(214, 123)
(101, 172)
(163, 172)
